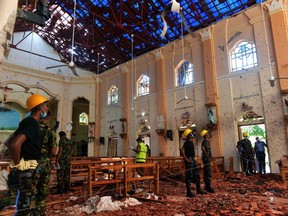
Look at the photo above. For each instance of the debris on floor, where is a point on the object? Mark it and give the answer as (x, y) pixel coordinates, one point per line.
(247, 195)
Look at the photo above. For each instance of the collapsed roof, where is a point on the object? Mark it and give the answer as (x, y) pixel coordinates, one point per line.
(108, 33)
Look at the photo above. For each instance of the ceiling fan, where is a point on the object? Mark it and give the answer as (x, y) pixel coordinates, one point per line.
(71, 64)
(184, 99)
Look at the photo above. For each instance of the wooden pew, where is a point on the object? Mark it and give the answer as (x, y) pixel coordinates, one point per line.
(173, 166)
(121, 178)
(153, 170)
(97, 177)
(79, 171)
(168, 166)
(79, 168)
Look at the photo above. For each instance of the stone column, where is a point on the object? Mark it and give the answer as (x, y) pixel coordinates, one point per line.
(126, 108)
(98, 116)
(161, 99)
(278, 18)
(211, 86)
(65, 106)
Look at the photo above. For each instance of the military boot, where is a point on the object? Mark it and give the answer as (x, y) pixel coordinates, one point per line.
(59, 190)
(66, 188)
(189, 193)
(209, 189)
(198, 190)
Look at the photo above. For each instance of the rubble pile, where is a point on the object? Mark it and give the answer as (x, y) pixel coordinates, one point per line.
(252, 195)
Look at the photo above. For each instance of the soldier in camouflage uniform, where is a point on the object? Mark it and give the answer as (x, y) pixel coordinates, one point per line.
(191, 166)
(207, 158)
(63, 159)
(48, 150)
(25, 151)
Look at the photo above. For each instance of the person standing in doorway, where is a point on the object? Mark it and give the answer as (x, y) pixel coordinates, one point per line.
(207, 159)
(247, 154)
(259, 149)
(191, 166)
(63, 159)
(25, 152)
(48, 150)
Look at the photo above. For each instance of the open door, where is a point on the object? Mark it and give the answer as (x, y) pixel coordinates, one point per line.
(256, 130)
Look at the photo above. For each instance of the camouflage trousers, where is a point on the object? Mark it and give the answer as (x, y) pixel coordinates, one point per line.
(13, 186)
(63, 174)
(23, 184)
(192, 173)
(43, 186)
(207, 172)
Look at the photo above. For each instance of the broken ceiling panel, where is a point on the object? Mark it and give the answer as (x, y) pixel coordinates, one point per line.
(105, 27)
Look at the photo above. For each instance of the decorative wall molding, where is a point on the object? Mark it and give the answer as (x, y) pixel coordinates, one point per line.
(275, 6)
(206, 33)
(123, 68)
(158, 53)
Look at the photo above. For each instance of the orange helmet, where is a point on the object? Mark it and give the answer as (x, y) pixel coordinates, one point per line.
(35, 100)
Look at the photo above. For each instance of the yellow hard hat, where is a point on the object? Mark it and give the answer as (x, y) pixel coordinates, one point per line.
(203, 133)
(35, 100)
(245, 134)
(186, 132)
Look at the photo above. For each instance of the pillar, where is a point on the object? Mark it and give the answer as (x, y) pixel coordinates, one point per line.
(278, 19)
(161, 99)
(211, 86)
(98, 116)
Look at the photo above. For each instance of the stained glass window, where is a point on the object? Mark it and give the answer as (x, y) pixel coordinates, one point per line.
(184, 73)
(113, 95)
(244, 56)
(143, 85)
(83, 119)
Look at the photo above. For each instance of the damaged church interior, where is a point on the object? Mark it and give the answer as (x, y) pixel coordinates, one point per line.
(129, 85)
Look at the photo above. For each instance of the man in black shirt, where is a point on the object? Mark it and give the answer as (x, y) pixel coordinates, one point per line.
(25, 151)
(191, 172)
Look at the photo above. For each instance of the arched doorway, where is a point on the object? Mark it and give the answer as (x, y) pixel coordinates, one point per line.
(79, 133)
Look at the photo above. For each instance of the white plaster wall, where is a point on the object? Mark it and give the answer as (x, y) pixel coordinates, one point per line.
(35, 44)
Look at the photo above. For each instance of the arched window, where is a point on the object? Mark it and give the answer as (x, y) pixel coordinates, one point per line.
(243, 56)
(143, 85)
(83, 119)
(113, 95)
(184, 73)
